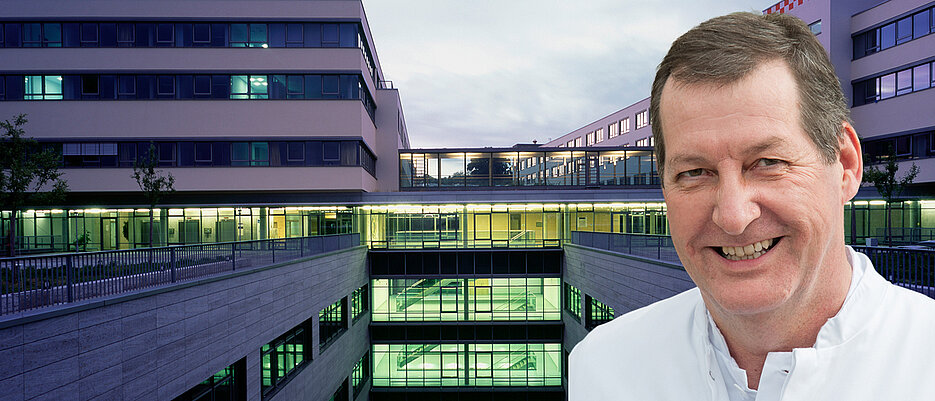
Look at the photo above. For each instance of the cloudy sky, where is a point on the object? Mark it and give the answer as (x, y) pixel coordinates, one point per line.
(501, 72)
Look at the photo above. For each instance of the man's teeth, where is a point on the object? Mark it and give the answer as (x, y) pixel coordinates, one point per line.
(751, 251)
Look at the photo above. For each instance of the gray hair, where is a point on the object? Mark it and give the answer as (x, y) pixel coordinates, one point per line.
(725, 49)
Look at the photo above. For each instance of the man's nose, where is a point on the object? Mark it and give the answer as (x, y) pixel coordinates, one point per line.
(735, 207)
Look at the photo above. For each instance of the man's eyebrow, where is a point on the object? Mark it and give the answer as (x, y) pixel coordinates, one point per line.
(695, 158)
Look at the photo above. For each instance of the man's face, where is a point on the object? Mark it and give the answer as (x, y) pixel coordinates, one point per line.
(755, 212)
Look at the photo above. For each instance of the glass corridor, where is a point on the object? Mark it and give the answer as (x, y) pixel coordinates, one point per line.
(453, 226)
(470, 300)
(452, 365)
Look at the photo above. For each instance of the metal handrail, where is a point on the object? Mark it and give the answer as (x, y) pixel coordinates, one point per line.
(32, 282)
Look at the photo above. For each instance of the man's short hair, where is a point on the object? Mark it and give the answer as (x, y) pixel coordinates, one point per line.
(723, 50)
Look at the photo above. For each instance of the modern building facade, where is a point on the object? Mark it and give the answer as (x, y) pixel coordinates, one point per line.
(467, 280)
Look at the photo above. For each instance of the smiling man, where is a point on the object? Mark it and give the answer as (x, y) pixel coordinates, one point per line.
(757, 159)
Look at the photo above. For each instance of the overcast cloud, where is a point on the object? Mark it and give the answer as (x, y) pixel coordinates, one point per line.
(496, 73)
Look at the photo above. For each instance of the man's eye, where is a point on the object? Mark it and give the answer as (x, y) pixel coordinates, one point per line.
(768, 162)
(693, 173)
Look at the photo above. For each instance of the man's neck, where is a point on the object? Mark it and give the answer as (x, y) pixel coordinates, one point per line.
(751, 337)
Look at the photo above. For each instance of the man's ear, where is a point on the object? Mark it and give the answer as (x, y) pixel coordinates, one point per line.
(851, 159)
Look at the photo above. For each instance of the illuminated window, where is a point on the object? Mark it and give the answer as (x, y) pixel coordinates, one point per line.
(43, 87)
(332, 322)
(248, 35)
(283, 357)
(249, 87)
(571, 301)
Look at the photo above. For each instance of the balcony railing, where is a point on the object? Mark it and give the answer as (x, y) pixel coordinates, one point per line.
(33, 282)
(646, 245)
(913, 269)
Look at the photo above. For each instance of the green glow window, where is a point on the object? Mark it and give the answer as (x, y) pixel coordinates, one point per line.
(450, 365)
(597, 313)
(248, 35)
(359, 302)
(332, 322)
(571, 301)
(360, 374)
(228, 384)
(249, 87)
(250, 154)
(282, 357)
(480, 299)
(43, 87)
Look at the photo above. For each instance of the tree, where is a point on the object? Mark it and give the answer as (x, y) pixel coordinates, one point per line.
(153, 182)
(885, 181)
(28, 173)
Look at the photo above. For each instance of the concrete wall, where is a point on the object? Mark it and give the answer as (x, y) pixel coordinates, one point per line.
(623, 282)
(156, 344)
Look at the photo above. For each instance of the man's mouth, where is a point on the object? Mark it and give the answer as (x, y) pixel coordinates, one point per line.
(749, 251)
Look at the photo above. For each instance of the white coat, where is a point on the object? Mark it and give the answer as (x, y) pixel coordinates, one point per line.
(880, 346)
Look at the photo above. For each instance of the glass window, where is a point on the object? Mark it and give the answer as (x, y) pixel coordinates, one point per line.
(248, 35)
(108, 34)
(127, 154)
(165, 35)
(165, 86)
(108, 86)
(52, 35)
(259, 154)
(145, 35)
(88, 35)
(330, 86)
(167, 155)
(887, 36)
(202, 86)
(240, 154)
(185, 85)
(201, 35)
(329, 35)
(312, 35)
(887, 86)
(126, 34)
(2, 89)
(89, 85)
(332, 322)
(220, 86)
(43, 87)
(815, 27)
(12, 34)
(126, 87)
(282, 358)
(348, 35)
(203, 153)
(249, 87)
(903, 82)
(904, 145)
(295, 35)
(920, 77)
(219, 35)
(32, 35)
(277, 35)
(145, 86)
(331, 151)
(920, 24)
(183, 35)
(295, 151)
(295, 85)
(258, 35)
(903, 30)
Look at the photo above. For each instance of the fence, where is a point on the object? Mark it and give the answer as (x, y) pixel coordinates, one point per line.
(913, 269)
(646, 245)
(909, 268)
(36, 281)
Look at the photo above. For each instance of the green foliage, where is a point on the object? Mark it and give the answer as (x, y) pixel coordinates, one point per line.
(885, 181)
(152, 181)
(28, 174)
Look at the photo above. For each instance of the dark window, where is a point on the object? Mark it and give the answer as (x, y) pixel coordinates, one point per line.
(312, 35)
(220, 86)
(296, 151)
(202, 86)
(186, 86)
(277, 35)
(349, 153)
(202, 153)
(295, 35)
(348, 35)
(219, 33)
(2, 89)
(313, 87)
(167, 154)
(165, 35)
(145, 35)
(145, 86)
(71, 87)
(32, 35)
(126, 34)
(202, 35)
(904, 145)
(331, 151)
(277, 86)
(12, 34)
(126, 87)
(71, 36)
(165, 87)
(248, 35)
(571, 301)
(108, 87)
(14, 87)
(330, 86)
(183, 35)
(89, 85)
(596, 313)
(186, 154)
(2, 42)
(108, 34)
(329, 35)
(88, 35)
